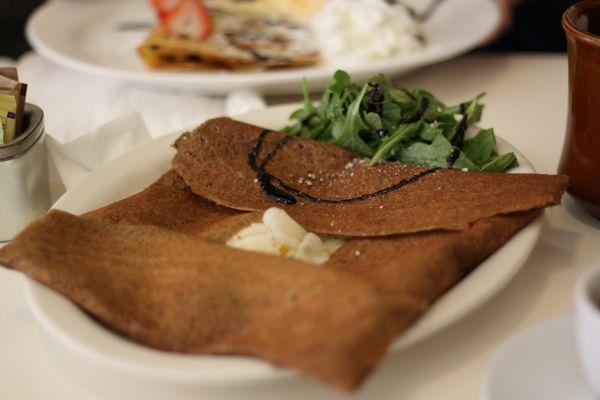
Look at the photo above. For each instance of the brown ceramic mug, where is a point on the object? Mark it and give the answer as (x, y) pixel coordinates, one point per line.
(581, 153)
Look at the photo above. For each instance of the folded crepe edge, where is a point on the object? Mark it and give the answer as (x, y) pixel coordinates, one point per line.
(552, 196)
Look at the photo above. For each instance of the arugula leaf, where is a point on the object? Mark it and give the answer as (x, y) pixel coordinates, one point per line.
(428, 132)
(501, 163)
(475, 110)
(401, 135)
(339, 82)
(480, 148)
(349, 135)
(374, 121)
(434, 155)
(463, 162)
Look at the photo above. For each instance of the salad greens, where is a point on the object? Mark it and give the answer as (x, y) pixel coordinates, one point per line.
(386, 122)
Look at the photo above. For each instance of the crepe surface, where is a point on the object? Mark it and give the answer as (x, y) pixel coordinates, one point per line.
(174, 292)
(169, 204)
(214, 161)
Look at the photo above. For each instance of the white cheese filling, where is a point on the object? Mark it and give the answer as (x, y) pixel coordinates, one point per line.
(280, 235)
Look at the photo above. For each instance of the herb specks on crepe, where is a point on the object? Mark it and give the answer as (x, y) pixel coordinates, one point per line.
(213, 161)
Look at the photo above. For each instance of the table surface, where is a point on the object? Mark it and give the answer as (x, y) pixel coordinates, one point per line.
(526, 103)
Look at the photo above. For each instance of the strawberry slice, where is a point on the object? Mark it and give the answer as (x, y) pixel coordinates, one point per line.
(189, 18)
(164, 7)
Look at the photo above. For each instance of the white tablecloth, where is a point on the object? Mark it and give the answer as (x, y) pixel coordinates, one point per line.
(526, 103)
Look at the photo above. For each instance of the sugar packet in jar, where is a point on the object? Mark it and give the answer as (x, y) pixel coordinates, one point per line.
(12, 103)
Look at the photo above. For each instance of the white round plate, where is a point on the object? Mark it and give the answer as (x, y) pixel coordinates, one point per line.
(85, 35)
(540, 364)
(74, 332)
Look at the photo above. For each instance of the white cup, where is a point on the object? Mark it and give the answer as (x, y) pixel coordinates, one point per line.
(587, 305)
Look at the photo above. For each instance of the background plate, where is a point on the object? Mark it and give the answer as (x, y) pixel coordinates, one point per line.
(85, 35)
(539, 364)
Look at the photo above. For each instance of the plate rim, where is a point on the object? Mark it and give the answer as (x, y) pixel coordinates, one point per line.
(35, 292)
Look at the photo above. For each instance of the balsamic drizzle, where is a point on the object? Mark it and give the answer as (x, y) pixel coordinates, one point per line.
(375, 100)
(461, 128)
(367, 196)
(286, 194)
(306, 120)
(418, 114)
(273, 152)
(265, 179)
(452, 157)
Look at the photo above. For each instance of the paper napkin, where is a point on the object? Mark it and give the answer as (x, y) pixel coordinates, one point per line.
(73, 160)
(91, 120)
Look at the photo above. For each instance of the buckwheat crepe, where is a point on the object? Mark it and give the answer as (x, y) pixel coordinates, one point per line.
(213, 162)
(154, 266)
